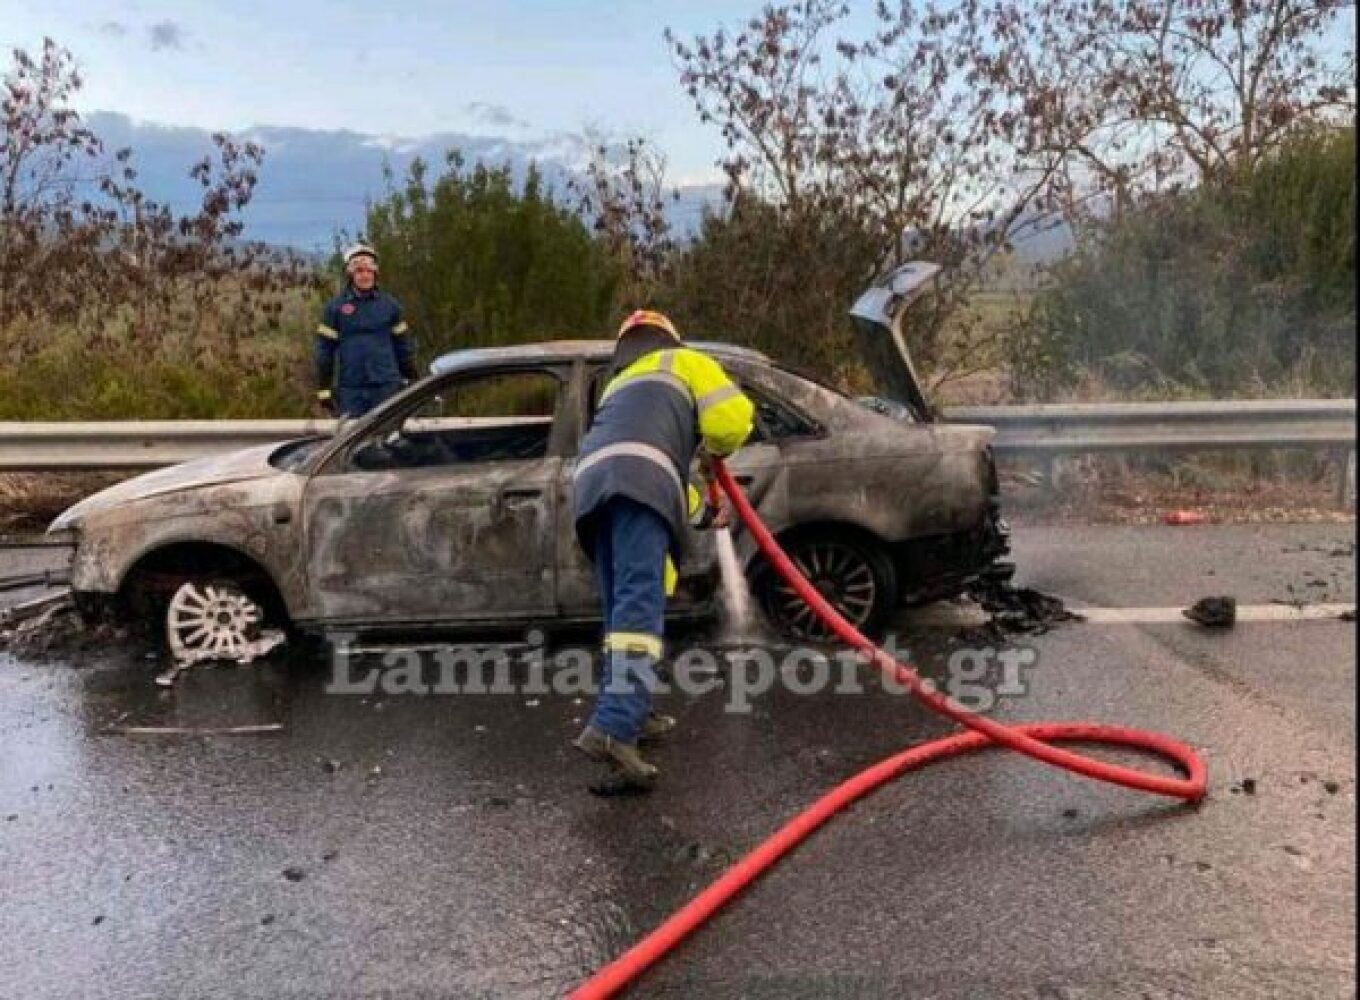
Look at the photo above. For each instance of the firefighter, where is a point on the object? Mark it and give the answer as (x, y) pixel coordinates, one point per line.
(363, 335)
(662, 403)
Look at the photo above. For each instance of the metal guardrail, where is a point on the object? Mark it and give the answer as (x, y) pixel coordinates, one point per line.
(1051, 430)
(1055, 431)
(1075, 428)
(1048, 429)
(137, 444)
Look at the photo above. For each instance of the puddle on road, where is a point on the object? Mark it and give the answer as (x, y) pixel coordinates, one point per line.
(209, 698)
(113, 690)
(119, 694)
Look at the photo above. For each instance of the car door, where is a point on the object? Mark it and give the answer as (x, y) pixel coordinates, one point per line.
(446, 511)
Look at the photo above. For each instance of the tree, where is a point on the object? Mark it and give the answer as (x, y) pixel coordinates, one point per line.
(478, 260)
(624, 196)
(81, 243)
(1147, 96)
(1224, 289)
(881, 139)
(734, 282)
(45, 154)
(948, 126)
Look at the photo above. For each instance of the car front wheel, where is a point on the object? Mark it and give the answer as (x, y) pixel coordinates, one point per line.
(211, 619)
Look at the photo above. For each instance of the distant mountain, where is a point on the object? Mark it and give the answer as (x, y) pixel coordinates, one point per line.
(315, 183)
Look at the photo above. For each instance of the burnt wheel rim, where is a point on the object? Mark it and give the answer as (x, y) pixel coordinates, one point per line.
(841, 574)
(206, 621)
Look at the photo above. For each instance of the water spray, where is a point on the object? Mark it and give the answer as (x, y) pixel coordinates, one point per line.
(1035, 740)
(736, 592)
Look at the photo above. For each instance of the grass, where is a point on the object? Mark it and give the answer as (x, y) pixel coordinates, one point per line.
(216, 365)
(30, 500)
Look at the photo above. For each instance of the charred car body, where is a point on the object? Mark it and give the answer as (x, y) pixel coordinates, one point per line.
(450, 505)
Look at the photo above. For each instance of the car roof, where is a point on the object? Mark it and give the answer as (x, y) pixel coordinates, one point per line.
(561, 350)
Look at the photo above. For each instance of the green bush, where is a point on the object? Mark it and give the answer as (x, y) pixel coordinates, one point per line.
(1241, 288)
(476, 261)
(777, 282)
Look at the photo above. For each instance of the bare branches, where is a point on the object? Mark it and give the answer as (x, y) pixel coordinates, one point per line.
(900, 138)
(624, 195)
(1172, 93)
(80, 240)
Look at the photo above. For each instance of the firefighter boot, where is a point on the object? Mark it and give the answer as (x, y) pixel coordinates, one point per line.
(622, 757)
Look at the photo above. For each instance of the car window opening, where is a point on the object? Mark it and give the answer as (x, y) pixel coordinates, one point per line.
(501, 417)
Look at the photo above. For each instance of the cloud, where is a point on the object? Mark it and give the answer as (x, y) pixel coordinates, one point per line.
(114, 29)
(166, 34)
(497, 115)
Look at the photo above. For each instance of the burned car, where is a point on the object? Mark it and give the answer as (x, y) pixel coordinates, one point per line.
(450, 505)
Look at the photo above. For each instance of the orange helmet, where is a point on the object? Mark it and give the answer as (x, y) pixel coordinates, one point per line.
(649, 317)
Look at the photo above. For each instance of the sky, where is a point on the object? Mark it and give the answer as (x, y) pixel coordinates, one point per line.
(523, 70)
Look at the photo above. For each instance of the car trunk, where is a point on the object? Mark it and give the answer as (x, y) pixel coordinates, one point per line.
(878, 316)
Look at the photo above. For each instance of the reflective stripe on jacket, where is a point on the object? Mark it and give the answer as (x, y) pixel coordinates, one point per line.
(651, 418)
(362, 340)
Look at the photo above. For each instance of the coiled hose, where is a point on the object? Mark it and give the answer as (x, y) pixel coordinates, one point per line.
(1034, 739)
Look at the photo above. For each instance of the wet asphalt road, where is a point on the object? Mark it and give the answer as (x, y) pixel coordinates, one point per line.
(446, 847)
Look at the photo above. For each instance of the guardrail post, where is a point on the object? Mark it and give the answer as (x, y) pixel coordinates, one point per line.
(1345, 487)
(1055, 471)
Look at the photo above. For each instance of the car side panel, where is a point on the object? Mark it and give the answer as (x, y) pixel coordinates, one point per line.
(916, 482)
(259, 519)
(897, 479)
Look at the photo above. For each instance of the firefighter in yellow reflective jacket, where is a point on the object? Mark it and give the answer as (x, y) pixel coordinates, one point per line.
(661, 404)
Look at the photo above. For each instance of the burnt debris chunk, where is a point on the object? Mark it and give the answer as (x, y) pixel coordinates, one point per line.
(1213, 612)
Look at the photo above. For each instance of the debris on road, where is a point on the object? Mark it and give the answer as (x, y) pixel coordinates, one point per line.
(614, 787)
(1213, 612)
(242, 655)
(51, 625)
(41, 607)
(251, 730)
(1185, 517)
(1017, 610)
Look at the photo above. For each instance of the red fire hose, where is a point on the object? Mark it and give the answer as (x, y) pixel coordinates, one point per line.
(1033, 739)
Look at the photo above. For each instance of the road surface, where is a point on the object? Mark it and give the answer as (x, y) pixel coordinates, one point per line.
(442, 846)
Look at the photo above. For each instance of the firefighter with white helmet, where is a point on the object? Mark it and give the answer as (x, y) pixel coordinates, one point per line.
(364, 352)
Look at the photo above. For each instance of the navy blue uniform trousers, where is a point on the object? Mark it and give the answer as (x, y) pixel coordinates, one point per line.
(631, 542)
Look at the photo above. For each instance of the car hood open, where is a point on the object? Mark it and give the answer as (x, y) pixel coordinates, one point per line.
(214, 470)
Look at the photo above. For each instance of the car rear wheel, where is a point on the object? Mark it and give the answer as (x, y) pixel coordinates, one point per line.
(849, 569)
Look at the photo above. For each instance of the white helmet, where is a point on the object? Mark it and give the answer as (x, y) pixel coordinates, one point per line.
(357, 251)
